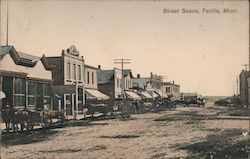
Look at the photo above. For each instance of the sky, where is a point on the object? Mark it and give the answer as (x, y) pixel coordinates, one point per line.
(202, 52)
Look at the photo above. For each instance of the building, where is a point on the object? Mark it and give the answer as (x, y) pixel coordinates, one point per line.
(151, 84)
(140, 83)
(110, 83)
(243, 80)
(91, 86)
(25, 80)
(68, 81)
(172, 90)
(189, 96)
(128, 79)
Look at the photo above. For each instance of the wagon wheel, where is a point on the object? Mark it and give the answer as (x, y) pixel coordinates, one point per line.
(28, 125)
(46, 121)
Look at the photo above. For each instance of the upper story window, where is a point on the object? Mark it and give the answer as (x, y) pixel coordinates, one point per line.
(74, 71)
(88, 77)
(79, 73)
(168, 89)
(93, 78)
(68, 70)
(117, 82)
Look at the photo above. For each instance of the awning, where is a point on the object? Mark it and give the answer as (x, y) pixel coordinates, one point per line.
(154, 95)
(146, 95)
(95, 94)
(2, 95)
(161, 94)
(132, 95)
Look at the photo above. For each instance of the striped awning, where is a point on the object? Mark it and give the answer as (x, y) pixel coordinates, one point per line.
(155, 95)
(95, 94)
(132, 95)
(146, 95)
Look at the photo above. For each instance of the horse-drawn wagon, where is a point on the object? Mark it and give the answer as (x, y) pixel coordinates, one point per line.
(25, 119)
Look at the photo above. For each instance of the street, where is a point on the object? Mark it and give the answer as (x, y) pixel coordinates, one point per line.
(183, 132)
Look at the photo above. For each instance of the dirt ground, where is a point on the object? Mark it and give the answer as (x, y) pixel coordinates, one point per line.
(183, 132)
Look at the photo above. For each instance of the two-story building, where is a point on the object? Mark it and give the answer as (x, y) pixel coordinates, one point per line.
(68, 81)
(91, 86)
(171, 90)
(25, 80)
(151, 84)
(110, 83)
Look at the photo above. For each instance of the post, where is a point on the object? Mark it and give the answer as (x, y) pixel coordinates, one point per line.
(0, 25)
(7, 31)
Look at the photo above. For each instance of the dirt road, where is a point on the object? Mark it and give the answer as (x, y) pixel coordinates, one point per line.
(179, 133)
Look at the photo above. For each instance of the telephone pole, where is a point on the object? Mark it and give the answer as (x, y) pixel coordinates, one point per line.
(0, 22)
(245, 65)
(122, 62)
(162, 85)
(237, 86)
(7, 31)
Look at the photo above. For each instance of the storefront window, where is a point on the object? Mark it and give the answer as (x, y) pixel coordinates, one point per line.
(47, 96)
(19, 92)
(31, 93)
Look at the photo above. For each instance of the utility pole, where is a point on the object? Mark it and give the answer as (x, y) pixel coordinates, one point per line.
(7, 31)
(162, 80)
(245, 65)
(237, 86)
(122, 62)
(0, 22)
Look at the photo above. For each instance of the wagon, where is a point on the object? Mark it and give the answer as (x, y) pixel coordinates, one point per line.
(25, 119)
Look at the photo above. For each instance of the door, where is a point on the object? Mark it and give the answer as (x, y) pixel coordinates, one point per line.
(68, 104)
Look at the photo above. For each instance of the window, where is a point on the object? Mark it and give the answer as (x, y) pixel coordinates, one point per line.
(74, 71)
(88, 77)
(168, 89)
(19, 92)
(31, 94)
(117, 82)
(93, 78)
(47, 96)
(79, 73)
(68, 70)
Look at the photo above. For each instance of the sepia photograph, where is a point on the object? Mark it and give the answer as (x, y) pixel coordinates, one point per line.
(124, 79)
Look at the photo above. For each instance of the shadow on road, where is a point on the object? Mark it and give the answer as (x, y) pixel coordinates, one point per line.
(225, 144)
(27, 137)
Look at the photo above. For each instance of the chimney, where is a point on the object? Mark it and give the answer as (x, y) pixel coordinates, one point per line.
(99, 66)
(138, 76)
(173, 82)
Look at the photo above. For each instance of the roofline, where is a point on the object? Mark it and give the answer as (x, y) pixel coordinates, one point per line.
(88, 66)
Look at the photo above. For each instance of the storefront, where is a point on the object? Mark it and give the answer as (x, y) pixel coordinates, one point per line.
(25, 80)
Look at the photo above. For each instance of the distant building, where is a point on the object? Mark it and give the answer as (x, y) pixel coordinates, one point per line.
(150, 84)
(172, 90)
(244, 86)
(128, 76)
(91, 85)
(189, 96)
(25, 80)
(68, 81)
(140, 83)
(110, 83)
